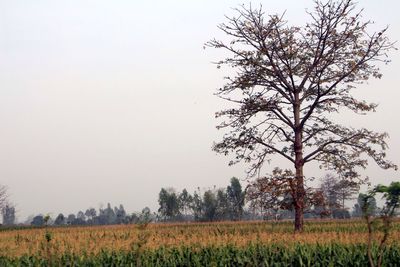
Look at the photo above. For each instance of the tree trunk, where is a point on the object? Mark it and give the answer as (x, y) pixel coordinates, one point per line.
(299, 163)
(299, 201)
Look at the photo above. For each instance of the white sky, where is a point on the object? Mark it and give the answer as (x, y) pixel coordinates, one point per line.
(108, 101)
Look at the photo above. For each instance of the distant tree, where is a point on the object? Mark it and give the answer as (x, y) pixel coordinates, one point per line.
(3, 196)
(209, 206)
(71, 219)
(8, 212)
(341, 214)
(346, 190)
(90, 214)
(133, 218)
(145, 217)
(185, 202)
(197, 206)
(107, 215)
(224, 210)
(287, 82)
(169, 204)
(366, 205)
(120, 214)
(235, 198)
(38, 220)
(80, 218)
(336, 191)
(60, 219)
(329, 187)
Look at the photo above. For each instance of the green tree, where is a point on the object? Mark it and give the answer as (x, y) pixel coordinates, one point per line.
(197, 206)
(209, 206)
(236, 198)
(169, 204)
(365, 206)
(90, 214)
(287, 82)
(71, 219)
(60, 219)
(120, 214)
(391, 194)
(223, 205)
(185, 202)
(38, 220)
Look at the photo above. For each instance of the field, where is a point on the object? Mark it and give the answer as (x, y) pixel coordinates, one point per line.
(324, 243)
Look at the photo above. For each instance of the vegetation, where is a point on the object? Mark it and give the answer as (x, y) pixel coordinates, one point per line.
(322, 243)
(287, 82)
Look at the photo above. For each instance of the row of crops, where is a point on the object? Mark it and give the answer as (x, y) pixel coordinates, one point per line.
(251, 255)
(323, 243)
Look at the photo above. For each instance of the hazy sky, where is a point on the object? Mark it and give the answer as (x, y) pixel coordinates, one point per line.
(108, 101)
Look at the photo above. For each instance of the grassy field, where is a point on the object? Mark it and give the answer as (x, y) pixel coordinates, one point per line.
(335, 243)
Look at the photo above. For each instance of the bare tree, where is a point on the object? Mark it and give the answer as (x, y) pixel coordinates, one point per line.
(329, 187)
(3, 196)
(346, 190)
(287, 82)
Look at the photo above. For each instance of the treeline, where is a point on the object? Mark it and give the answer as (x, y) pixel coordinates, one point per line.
(211, 205)
(256, 201)
(104, 216)
(260, 201)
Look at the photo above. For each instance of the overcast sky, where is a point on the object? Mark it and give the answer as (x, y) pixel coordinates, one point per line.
(108, 101)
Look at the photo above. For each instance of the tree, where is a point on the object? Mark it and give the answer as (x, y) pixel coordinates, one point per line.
(8, 212)
(197, 206)
(121, 214)
(235, 198)
(224, 207)
(209, 206)
(287, 82)
(3, 196)
(169, 204)
(60, 219)
(38, 220)
(329, 184)
(391, 194)
(365, 206)
(271, 193)
(80, 218)
(145, 217)
(90, 214)
(71, 219)
(346, 190)
(185, 202)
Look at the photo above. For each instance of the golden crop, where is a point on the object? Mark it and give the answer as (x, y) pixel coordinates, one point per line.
(93, 239)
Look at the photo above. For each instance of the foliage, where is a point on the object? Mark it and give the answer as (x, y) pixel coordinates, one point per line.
(169, 204)
(236, 198)
(287, 82)
(391, 194)
(38, 220)
(366, 205)
(227, 255)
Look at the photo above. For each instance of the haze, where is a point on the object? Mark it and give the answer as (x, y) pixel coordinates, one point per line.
(108, 101)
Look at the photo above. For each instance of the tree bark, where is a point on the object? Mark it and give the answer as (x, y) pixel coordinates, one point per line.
(299, 163)
(299, 201)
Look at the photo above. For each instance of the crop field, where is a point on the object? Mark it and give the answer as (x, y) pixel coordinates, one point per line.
(323, 243)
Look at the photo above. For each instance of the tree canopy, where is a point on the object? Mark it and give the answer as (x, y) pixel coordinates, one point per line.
(289, 80)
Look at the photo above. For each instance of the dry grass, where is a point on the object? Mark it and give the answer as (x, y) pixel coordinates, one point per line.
(91, 240)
